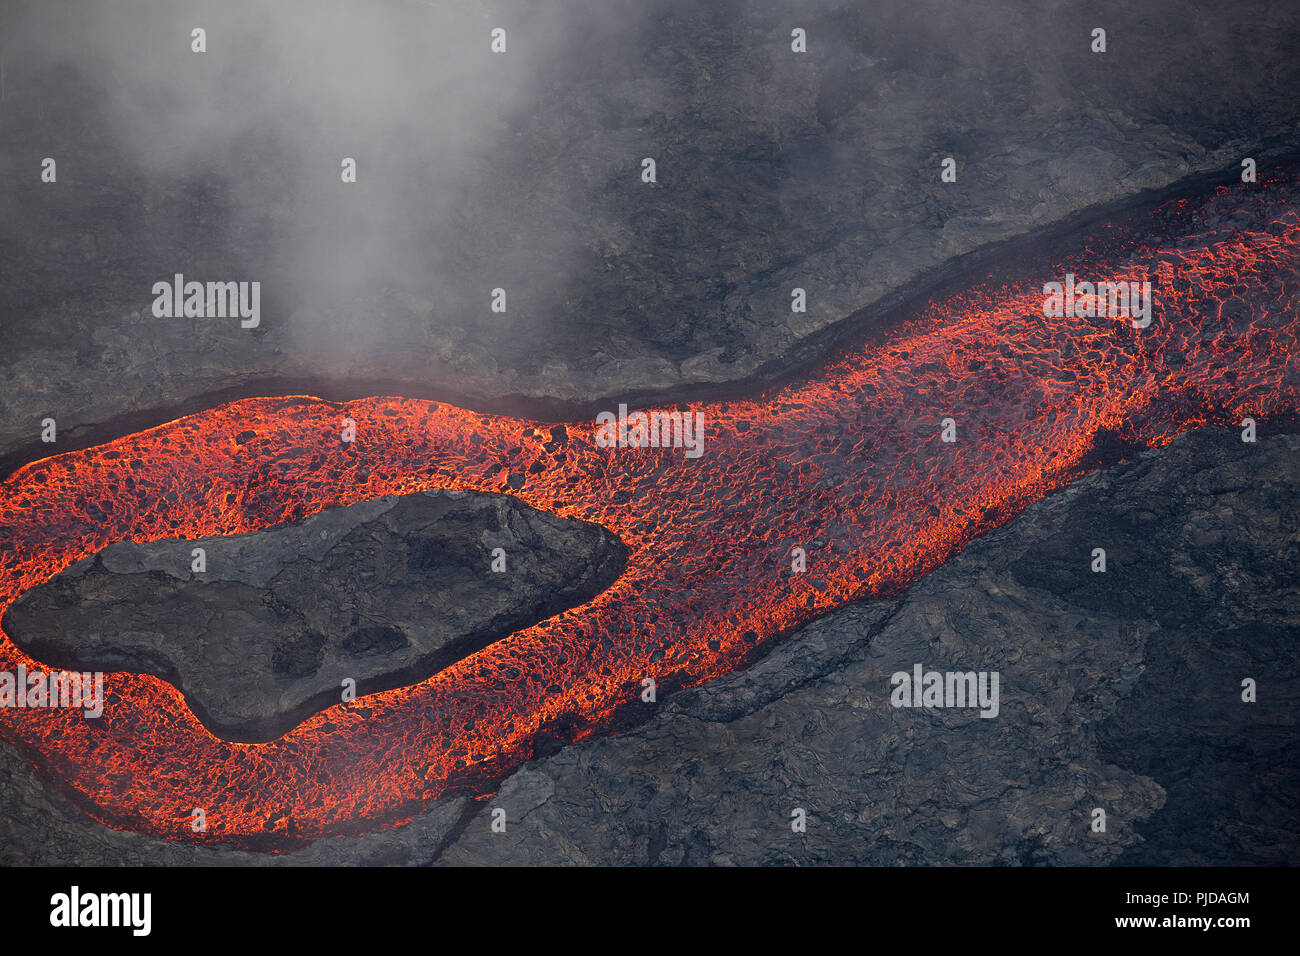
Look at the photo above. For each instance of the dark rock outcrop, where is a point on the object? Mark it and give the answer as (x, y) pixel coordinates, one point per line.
(1119, 690)
(385, 592)
(775, 170)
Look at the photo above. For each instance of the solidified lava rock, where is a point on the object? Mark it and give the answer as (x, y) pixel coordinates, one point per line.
(776, 170)
(385, 592)
(1119, 690)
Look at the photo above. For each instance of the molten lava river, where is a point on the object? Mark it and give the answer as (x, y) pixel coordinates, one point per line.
(847, 463)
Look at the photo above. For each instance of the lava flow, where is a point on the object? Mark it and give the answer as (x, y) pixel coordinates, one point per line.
(847, 464)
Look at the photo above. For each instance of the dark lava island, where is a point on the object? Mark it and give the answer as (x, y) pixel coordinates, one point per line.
(384, 593)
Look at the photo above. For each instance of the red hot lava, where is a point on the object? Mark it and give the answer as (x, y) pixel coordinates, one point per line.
(847, 464)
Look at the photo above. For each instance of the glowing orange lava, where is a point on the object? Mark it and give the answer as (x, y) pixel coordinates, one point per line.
(847, 464)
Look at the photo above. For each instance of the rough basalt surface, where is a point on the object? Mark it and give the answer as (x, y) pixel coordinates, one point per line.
(775, 170)
(385, 593)
(1119, 690)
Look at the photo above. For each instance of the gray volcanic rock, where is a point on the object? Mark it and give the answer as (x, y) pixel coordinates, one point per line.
(1118, 690)
(775, 170)
(384, 592)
